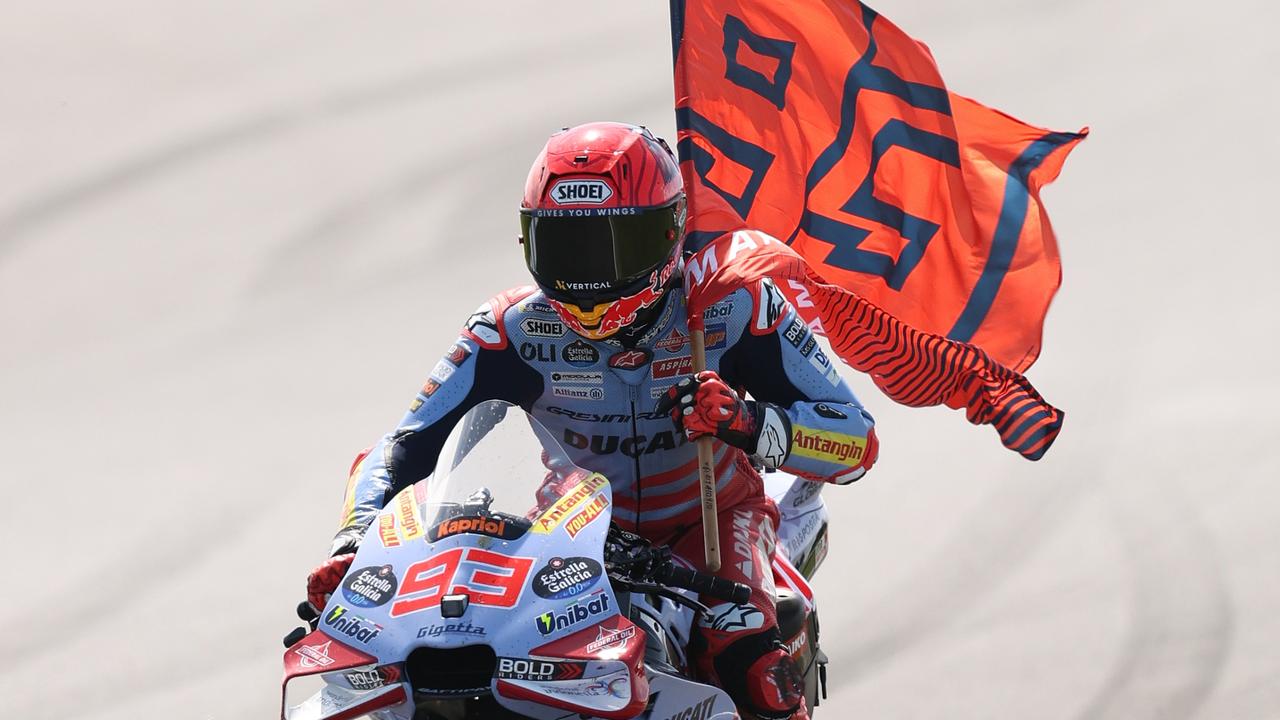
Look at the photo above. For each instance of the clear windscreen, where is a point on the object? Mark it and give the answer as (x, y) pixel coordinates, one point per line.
(498, 470)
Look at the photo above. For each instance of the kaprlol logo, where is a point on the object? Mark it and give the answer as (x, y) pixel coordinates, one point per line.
(581, 192)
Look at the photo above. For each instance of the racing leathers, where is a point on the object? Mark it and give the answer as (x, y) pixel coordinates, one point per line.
(599, 399)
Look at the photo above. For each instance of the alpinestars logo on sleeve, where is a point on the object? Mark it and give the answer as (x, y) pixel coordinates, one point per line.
(484, 325)
(772, 303)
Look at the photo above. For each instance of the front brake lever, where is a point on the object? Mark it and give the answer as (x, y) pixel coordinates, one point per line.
(666, 592)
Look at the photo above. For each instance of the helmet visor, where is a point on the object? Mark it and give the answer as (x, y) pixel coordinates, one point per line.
(599, 255)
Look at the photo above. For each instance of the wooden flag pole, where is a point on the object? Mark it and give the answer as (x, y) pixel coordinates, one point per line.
(706, 465)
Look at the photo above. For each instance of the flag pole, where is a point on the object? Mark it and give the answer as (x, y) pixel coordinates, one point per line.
(706, 461)
(697, 339)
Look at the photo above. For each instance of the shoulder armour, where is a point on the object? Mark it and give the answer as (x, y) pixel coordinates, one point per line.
(486, 326)
(769, 306)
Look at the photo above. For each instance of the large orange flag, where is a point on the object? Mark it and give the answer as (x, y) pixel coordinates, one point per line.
(913, 213)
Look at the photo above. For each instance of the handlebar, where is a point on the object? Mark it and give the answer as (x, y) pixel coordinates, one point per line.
(632, 558)
(703, 583)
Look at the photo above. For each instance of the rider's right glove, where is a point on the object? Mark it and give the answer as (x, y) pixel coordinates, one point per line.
(325, 578)
(705, 405)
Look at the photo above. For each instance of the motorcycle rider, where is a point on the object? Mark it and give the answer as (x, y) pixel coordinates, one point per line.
(599, 353)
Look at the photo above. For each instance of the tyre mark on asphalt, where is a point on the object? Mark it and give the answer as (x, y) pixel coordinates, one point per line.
(988, 547)
(1181, 619)
(303, 254)
(115, 683)
(56, 202)
(131, 571)
(152, 563)
(160, 562)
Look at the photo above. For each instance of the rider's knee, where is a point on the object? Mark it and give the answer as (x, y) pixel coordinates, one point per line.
(756, 671)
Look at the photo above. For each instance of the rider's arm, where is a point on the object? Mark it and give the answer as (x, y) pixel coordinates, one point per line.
(481, 365)
(828, 434)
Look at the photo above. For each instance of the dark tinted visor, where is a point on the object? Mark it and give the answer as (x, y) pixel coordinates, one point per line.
(598, 252)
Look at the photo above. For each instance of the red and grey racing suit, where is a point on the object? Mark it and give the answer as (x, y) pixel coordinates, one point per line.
(598, 398)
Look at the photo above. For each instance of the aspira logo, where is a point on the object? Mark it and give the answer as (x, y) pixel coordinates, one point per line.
(581, 192)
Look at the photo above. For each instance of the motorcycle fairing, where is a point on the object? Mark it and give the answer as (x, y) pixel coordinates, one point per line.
(336, 703)
(671, 696)
(317, 653)
(504, 611)
(618, 688)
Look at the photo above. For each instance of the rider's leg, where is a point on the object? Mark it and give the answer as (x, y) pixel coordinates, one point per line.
(738, 648)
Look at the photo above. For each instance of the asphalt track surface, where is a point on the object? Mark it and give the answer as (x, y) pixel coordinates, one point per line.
(235, 236)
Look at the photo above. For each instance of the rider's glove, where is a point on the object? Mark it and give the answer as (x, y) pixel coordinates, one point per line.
(705, 405)
(325, 578)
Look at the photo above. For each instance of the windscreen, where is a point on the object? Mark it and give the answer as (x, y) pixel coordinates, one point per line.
(498, 469)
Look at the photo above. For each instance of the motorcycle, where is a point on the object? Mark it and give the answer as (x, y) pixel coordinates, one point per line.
(463, 601)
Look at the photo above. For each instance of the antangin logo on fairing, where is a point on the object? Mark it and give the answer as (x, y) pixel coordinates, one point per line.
(580, 494)
(581, 192)
(408, 509)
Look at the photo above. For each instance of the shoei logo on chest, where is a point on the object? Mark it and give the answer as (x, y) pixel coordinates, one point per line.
(581, 192)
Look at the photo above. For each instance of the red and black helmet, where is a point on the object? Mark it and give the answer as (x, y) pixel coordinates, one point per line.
(602, 223)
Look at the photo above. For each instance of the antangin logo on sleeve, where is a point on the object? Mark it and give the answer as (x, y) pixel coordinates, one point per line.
(827, 446)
